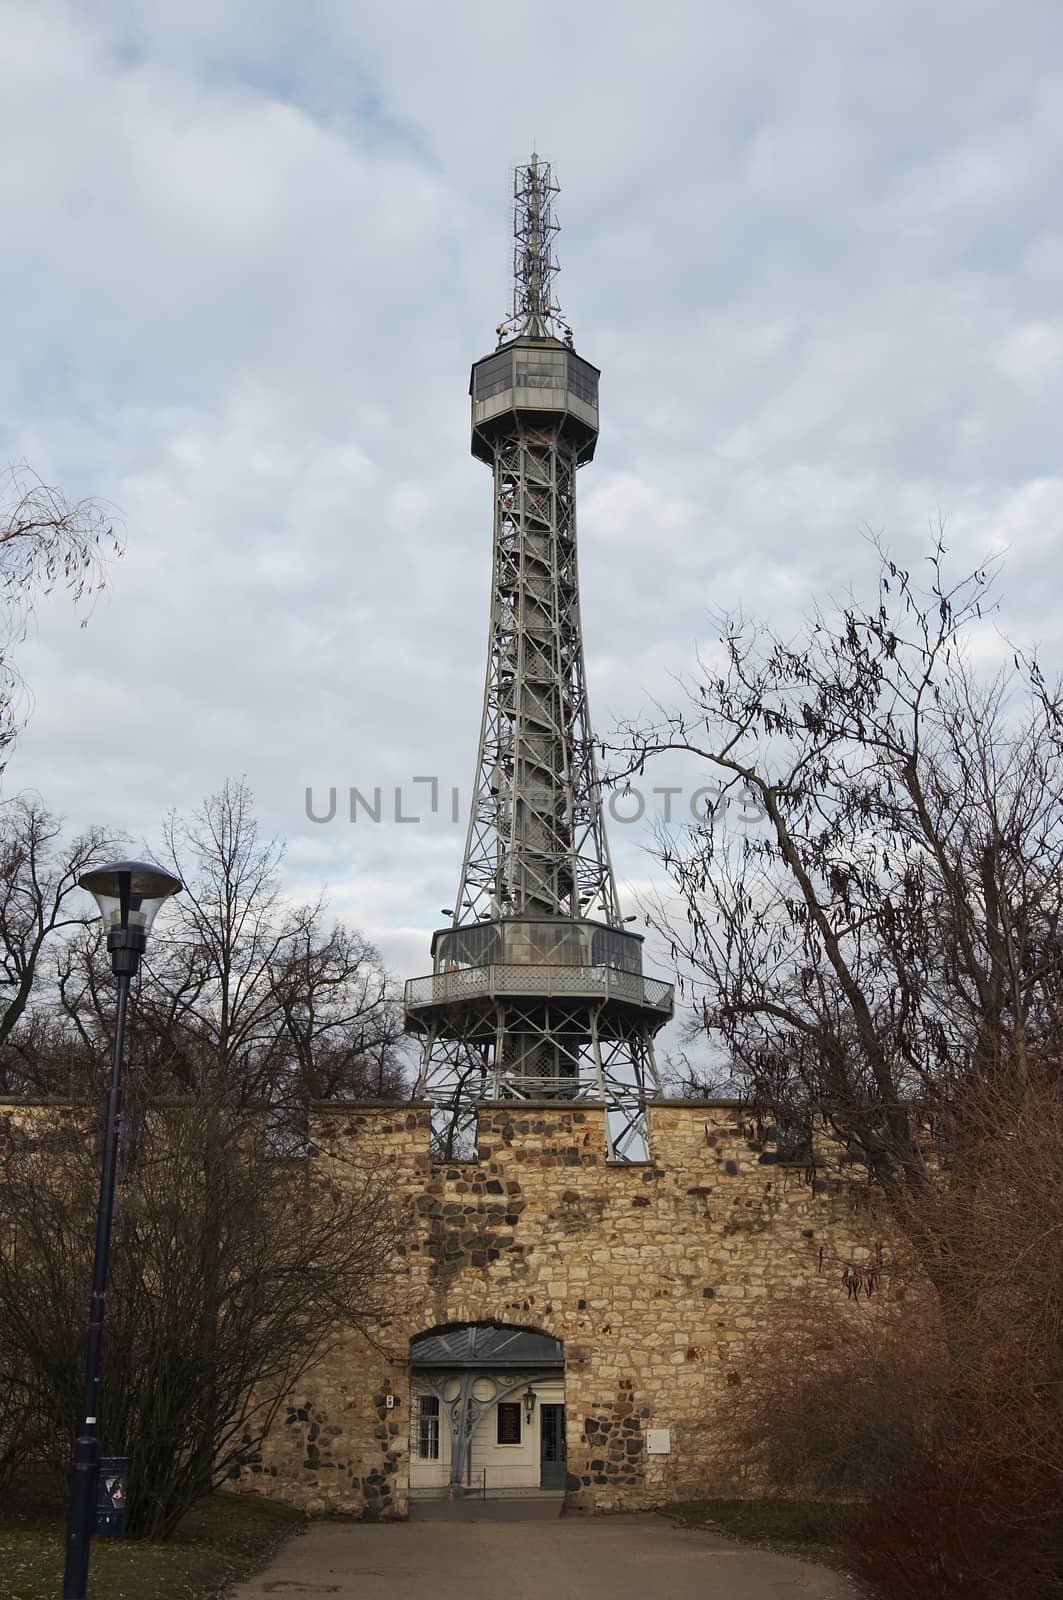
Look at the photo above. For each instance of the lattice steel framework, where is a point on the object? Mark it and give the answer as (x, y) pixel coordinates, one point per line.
(536, 842)
(537, 989)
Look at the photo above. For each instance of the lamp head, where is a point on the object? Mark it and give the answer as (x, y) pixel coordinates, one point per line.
(129, 894)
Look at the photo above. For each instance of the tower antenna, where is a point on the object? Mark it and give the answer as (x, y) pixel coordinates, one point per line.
(535, 312)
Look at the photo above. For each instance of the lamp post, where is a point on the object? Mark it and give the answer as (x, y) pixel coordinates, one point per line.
(128, 893)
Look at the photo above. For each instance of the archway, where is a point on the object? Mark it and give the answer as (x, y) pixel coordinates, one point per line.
(487, 1408)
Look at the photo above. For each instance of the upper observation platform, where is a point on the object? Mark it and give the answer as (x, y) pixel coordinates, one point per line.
(533, 379)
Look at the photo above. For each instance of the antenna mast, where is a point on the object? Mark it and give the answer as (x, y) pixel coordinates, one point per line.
(535, 312)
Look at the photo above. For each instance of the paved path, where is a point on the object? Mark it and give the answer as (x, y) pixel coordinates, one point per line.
(523, 1551)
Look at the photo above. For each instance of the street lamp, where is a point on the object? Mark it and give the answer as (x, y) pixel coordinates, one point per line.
(128, 893)
(529, 1397)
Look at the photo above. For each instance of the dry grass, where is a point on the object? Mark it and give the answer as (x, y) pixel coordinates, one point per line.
(807, 1528)
(224, 1537)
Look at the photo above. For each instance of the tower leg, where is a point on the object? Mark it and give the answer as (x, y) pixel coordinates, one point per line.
(596, 1048)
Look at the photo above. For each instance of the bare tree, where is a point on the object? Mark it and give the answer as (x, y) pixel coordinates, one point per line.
(875, 938)
(338, 1012)
(222, 1293)
(892, 925)
(242, 997)
(39, 869)
(45, 542)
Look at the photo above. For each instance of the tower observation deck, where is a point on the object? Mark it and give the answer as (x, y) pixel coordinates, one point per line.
(537, 989)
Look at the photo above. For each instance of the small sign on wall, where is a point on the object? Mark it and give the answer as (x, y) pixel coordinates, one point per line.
(658, 1441)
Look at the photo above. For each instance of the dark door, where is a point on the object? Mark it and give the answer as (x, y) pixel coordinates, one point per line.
(551, 1447)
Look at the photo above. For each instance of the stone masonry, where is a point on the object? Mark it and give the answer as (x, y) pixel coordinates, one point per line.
(659, 1277)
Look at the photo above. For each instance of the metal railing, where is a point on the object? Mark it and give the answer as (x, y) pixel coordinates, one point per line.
(596, 982)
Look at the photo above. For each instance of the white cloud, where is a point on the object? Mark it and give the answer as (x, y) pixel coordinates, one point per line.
(250, 251)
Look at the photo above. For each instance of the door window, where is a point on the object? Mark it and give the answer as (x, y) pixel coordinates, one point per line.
(428, 1427)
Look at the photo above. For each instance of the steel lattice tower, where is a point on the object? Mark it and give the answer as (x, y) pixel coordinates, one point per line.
(537, 990)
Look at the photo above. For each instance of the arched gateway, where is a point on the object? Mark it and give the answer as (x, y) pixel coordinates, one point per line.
(487, 1412)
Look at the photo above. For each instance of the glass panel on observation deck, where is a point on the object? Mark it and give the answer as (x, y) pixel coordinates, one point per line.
(532, 942)
(479, 945)
(493, 375)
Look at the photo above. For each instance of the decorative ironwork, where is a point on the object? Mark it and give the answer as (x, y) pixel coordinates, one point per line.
(464, 1410)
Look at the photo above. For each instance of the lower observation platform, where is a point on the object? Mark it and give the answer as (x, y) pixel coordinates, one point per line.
(528, 1007)
(505, 981)
(559, 960)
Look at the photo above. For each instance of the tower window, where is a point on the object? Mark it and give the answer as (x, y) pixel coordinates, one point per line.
(539, 377)
(583, 380)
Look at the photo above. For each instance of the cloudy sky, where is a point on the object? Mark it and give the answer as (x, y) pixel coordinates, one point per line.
(251, 248)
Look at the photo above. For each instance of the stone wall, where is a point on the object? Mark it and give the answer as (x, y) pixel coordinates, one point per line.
(660, 1278)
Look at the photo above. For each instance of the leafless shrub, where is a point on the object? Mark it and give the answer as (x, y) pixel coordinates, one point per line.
(835, 1403)
(897, 914)
(990, 1230)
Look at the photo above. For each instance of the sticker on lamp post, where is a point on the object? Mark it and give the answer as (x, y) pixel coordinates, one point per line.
(111, 1496)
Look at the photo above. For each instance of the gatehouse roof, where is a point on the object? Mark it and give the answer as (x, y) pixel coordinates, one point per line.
(488, 1348)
